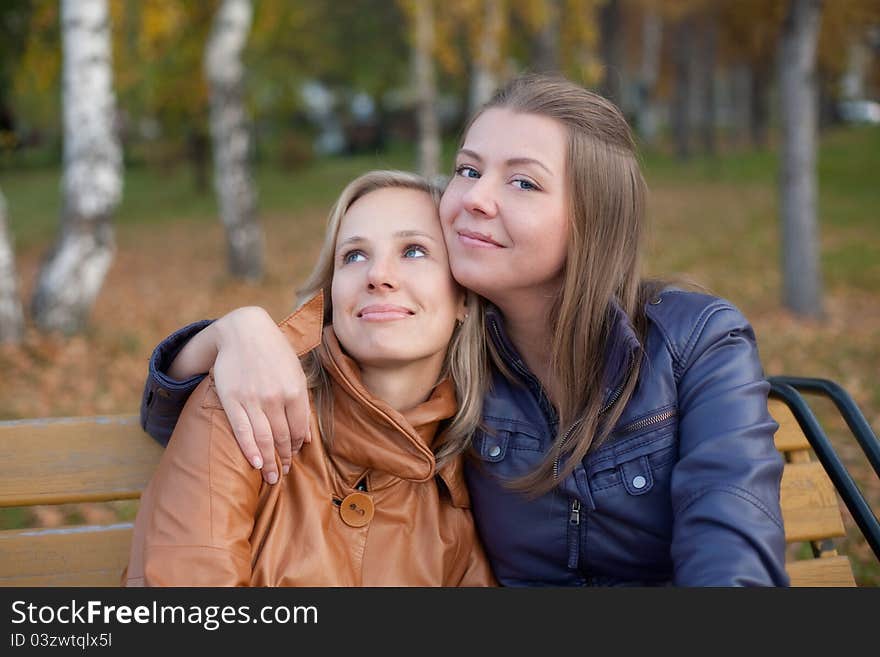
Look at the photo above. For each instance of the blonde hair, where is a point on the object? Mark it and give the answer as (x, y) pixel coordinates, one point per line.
(466, 359)
(607, 223)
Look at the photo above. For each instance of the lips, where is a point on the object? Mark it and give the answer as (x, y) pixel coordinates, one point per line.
(473, 238)
(384, 312)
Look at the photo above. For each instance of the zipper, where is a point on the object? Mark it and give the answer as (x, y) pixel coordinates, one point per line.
(515, 361)
(613, 398)
(574, 538)
(564, 440)
(646, 422)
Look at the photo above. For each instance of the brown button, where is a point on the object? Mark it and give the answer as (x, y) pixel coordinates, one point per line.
(356, 509)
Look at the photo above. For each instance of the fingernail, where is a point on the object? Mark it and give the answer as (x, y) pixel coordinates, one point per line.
(285, 469)
(272, 477)
(257, 462)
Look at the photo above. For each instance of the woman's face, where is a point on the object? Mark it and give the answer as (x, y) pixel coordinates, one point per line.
(505, 211)
(394, 298)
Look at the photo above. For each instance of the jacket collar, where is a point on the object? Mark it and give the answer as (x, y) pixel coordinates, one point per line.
(370, 437)
(622, 347)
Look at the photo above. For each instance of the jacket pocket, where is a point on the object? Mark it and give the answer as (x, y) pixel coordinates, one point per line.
(636, 457)
(509, 448)
(498, 435)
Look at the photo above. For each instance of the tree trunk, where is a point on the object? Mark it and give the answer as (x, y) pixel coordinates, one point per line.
(681, 105)
(545, 48)
(426, 89)
(741, 92)
(611, 49)
(802, 291)
(198, 147)
(652, 36)
(11, 316)
(230, 133)
(74, 271)
(760, 104)
(488, 59)
(708, 96)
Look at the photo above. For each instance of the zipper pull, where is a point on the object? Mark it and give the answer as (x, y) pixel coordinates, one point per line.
(574, 517)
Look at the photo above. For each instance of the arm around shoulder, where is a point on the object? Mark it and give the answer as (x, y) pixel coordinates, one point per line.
(164, 396)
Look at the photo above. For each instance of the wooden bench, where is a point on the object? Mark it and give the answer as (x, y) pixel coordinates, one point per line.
(810, 508)
(76, 460)
(71, 460)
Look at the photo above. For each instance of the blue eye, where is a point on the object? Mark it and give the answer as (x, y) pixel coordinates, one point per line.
(415, 251)
(466, 171)
(353, 256)
(525, 185)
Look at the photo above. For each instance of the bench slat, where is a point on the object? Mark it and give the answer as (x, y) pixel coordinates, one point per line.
(810, 510)
(65, 556)
(830, 571)
(789, 436)
(108, 458)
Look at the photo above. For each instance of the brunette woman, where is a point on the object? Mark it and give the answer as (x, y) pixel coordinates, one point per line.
(625, 436)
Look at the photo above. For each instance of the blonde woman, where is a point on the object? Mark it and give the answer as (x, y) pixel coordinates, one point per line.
(389, 344)
(625, 436)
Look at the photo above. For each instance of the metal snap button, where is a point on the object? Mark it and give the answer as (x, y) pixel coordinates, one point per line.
(655, 301)
(639, 481)
(495, 451)
(356, 509)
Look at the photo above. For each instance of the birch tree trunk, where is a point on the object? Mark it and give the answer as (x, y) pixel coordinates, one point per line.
(230, 134)
(11, 316)
(652, 36)
(426, 89)
(74, 271)
(802, 291)
(488, 61)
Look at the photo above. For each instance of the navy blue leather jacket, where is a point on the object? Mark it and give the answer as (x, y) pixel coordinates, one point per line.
(684, 492)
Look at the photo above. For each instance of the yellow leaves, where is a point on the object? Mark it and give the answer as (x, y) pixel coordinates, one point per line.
(38, 75)
(161, 22)
(579, 40)
(533, 13)
(843, 23)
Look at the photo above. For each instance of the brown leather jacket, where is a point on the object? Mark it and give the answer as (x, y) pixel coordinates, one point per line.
(208, 519)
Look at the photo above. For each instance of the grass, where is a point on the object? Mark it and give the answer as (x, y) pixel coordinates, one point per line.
(715, 220)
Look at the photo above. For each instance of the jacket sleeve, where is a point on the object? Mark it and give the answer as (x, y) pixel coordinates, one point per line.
(164, 398)
(202, 504)
(725, 487)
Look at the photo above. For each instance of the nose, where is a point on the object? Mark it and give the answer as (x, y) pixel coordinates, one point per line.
(382, 274)
(480, 199)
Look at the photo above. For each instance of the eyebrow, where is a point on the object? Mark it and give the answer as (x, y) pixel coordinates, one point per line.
(356, 239)
(511, 161)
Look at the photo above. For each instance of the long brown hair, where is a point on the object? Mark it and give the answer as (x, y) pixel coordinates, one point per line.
(606, 206)
(465, 361)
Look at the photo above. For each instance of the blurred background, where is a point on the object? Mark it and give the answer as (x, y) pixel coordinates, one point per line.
(165, 161)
